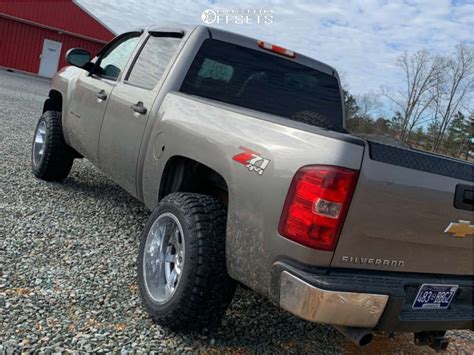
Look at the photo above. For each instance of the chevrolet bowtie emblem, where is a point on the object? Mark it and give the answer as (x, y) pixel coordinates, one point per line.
(461, 229)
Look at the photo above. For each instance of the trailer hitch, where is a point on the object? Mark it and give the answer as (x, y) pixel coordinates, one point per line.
(434, 339)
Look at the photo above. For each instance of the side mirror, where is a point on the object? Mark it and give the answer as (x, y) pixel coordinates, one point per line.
(78, 57)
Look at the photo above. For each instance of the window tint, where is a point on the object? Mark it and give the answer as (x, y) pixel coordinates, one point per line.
(152, 61)
(114, 60)
(264, 82)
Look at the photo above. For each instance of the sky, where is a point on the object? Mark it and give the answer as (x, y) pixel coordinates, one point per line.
(361, 39)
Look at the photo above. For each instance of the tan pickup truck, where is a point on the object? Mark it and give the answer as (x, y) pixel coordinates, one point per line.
(239, 148)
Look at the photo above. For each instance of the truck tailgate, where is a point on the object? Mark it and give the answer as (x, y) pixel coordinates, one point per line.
(402, 205)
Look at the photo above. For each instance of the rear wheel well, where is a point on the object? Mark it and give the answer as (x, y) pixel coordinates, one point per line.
(182, 174)
(54, 102)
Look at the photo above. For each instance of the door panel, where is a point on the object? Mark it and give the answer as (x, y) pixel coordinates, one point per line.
(92, 93)
(122, 133)
(124, 125)
(49, 58)
(86, 111)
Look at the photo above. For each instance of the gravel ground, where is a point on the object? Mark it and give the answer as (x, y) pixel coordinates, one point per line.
(68, 274)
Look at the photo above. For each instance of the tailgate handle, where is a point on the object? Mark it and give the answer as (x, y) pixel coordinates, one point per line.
(464, 197)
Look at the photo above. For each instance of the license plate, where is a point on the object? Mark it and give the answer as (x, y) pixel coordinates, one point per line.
(434, 296)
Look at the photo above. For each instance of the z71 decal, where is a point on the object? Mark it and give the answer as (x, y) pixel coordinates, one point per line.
(252, 160)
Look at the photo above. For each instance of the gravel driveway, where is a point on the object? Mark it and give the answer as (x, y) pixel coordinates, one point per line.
(68, 274)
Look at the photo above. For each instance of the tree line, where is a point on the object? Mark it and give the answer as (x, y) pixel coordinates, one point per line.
(433, 110)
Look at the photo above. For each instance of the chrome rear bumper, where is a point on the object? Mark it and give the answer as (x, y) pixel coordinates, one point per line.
(331, 307)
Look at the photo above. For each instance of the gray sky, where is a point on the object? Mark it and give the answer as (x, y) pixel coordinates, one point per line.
(361, 39)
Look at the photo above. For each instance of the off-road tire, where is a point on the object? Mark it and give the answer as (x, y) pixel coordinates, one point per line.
(58, 157)
(205, 290)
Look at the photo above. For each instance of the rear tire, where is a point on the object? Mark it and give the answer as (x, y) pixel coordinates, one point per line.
(51, 157)
(204, 290)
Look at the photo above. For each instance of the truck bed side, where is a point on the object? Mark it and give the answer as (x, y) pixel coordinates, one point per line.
(212, 134)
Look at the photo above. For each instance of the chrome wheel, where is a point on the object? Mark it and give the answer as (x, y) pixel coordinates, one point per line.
(163, 258)
(39, 143)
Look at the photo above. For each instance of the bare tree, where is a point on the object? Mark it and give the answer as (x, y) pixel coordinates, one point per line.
(421, 71)
(455, 85)
(369, 104)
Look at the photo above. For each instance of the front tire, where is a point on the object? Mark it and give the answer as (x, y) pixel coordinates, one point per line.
(51, 157)
(182, 273)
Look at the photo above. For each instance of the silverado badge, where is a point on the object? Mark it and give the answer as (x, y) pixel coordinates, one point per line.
(461, 229)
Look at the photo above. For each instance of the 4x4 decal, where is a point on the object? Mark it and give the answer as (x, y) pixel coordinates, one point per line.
(252, 160)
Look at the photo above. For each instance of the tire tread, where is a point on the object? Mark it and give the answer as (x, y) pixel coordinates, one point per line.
(58, 156)
(211, 288)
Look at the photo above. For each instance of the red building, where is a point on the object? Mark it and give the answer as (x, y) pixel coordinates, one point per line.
(35, 35)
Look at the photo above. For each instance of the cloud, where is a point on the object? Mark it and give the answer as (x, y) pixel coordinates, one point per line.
(361, 39)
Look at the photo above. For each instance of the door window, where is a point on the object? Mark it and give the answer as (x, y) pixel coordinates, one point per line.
(152, 61)
(113, 61)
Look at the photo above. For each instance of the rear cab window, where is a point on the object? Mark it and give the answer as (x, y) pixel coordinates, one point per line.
(265, 82)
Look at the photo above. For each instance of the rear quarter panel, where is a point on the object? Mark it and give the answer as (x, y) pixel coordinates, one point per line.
(212, 134)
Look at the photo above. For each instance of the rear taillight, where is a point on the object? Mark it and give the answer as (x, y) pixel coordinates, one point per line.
(316, 205)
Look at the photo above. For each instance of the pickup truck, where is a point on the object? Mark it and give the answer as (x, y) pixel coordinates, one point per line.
(239, 149)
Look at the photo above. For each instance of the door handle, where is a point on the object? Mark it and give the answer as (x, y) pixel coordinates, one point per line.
(139, 108)
(101, 95)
